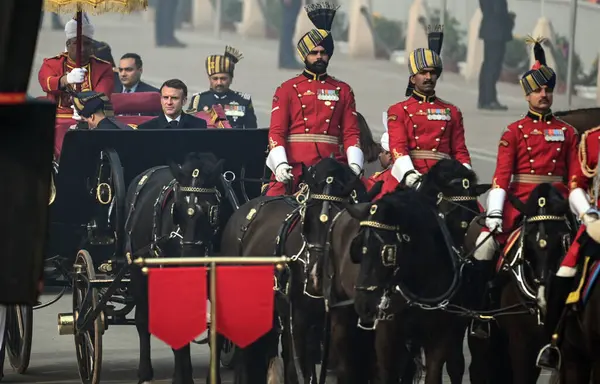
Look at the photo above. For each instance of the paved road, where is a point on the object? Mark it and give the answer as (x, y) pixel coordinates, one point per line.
(377, 84)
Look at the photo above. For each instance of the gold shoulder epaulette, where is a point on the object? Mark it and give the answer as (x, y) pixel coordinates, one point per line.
(583, 155)
(101, 60)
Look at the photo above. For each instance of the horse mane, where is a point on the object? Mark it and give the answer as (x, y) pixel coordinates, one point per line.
(546, 190)
(206, 162)
(442, 173)
(368, 145)
(406, 207)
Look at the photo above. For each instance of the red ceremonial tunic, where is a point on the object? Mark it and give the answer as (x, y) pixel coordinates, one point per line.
(589, 148)
(389, 182)
(99, 78)
(427, 129)
(312, 117)
(536, 149)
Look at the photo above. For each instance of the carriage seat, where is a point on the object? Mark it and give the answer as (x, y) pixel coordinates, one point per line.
(129, 107)
(215, 117)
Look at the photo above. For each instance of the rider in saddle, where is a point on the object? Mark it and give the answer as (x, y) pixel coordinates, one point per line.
(237, 105)
(424, 128)
(96, 110)
(314, 114)
(539, 148)
(59, 75)
(564, 281)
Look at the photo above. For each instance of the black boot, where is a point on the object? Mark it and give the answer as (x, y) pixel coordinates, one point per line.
(549, 356)
(482, 274)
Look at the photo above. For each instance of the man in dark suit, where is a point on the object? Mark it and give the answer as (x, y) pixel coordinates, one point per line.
(287, 47)
(130, 69)
(173, 96)
(495, 31)
(96, 110)
(164, 24)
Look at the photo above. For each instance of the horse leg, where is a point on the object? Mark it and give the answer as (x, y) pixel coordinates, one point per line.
(341, 344)
(219, 347)
(388, 351)
(182, 373)
(437, 349)
(287, 353)
(140, 295)
(302, 340)
(455, 361)
(523, 352)
(253, 363)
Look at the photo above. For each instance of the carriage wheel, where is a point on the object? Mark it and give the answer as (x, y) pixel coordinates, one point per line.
(19, 333)
(229, 352)
(110, 189)
(88, 342)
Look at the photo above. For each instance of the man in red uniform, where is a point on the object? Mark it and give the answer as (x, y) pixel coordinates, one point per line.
(385, 159)
(424, 129)
(313, 115)
(539, 148)
(59, 74)
(564, 281)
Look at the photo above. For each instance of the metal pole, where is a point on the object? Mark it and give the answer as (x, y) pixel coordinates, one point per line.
(573, 26)
(213, 323)
(217, 25)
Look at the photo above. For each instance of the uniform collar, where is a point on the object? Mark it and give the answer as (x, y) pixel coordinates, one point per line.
(313, 76)
(546, 116)
(422, 97)
(220, 96)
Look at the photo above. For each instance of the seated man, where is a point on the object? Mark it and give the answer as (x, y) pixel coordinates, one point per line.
(238, 106)
(96, 109)
(173, 95)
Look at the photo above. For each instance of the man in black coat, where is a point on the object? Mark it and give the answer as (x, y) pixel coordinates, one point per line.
(96, 110)
(173, 97)
(495, 31)
(130, 70)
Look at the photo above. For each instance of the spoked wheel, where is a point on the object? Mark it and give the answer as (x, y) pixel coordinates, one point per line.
(88, 342)
(19, 332)
(228, 354)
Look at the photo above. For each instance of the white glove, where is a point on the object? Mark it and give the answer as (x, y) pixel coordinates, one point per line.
(283, 173)
(412, 179)
(76, 76)
(355, 168)
(493, 223)
(590, 216)
(75, 114)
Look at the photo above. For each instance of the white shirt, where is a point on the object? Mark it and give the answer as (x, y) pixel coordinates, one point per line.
(178, 119)
(132, 89)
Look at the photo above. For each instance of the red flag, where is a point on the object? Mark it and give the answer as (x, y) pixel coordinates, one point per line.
(177, 304)
(245, 300)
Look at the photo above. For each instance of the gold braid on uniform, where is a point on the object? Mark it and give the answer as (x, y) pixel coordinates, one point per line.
(582, 154)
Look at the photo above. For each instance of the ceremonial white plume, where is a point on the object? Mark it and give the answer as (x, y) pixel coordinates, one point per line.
(87, 29)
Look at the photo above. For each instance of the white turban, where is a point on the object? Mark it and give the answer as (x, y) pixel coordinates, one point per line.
(87, 29)
(385, 141)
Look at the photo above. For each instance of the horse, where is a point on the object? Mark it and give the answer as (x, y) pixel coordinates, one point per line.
(297, 226)
(172, 212)
(580, 321)
(529, 260)
(582, 119)
(454, 189)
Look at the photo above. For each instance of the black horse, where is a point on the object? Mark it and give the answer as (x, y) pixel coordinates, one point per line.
(173, 212)
(452, 190)
(526, 269)
(297, 227)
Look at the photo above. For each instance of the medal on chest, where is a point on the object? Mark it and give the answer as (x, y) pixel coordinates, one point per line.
(328, 94)
(554, 135)
(438, 114)
(234, 110)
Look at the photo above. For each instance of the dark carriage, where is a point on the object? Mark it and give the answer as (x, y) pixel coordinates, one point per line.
(88, 213)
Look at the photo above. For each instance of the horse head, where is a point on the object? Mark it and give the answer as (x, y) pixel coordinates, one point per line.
(326, 188)
(196, 201)
(546, 237)
(455, 189)
(398, 243)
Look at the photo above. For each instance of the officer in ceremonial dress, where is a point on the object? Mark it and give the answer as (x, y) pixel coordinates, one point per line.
(385, 175)
(539, 148)
(58, 75)
(237, 105)
(314, 115)
(97, 111)
(424, 129)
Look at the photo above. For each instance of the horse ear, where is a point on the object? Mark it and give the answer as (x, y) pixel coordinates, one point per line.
(216, 172)
(518, 204)
(480, 189)
(307, 177)
(375, 190)
(359, 211)
(175, 170)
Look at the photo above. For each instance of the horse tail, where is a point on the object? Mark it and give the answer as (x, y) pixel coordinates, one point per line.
(370, 148)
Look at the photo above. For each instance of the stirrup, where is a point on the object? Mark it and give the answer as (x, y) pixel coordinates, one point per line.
(546, 355)
(479, 333)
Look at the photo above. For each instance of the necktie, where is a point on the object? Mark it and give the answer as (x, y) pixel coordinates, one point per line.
(173, 123)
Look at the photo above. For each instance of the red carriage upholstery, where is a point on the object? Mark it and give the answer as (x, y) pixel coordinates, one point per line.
(128, 106)
(215, 117)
